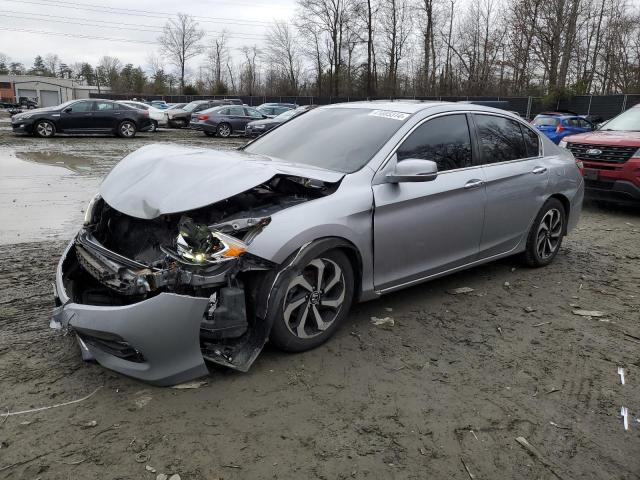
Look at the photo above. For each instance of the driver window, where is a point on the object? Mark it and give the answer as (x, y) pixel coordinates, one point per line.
(81, 107)
(445, 140)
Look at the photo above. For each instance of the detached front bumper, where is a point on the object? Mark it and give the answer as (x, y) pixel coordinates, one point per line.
(155, 340)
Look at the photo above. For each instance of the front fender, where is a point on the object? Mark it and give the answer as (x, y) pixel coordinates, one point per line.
(346, 214)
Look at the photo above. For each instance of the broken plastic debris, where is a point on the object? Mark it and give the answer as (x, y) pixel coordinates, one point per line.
(624, 413)
(382, 321)
(588, 313)
(621, 373)
(149, 468)
(457, 291)
(190, 385)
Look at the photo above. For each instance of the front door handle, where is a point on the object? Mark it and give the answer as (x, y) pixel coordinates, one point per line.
(473, 183)
(539, 170)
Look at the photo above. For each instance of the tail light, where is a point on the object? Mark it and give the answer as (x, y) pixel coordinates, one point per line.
(145, 113)
(203, 117)
(580, 166)
(559, 128)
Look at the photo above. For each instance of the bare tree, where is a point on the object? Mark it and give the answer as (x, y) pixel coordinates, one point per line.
(217, 56)
(51, 63)
(283, 54)
(249, 76)
(180, 41)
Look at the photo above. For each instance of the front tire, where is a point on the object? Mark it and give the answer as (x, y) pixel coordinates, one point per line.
(224, 130)
(317, 296)
(545, 236)
(44, 129)
(127, 129)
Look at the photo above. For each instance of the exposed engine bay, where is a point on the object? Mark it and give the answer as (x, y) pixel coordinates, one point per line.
(120, 260)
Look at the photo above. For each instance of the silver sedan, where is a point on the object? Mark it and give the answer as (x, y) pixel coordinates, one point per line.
(190, 256)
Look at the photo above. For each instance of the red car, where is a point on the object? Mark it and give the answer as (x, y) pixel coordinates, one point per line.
(611, 157)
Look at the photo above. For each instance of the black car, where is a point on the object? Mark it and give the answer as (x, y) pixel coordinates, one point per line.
(83, 116)
(180, 117)
(258, 127)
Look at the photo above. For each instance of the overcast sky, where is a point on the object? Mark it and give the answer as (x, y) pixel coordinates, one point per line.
(246, 22)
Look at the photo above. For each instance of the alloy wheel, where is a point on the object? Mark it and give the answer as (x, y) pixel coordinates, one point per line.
(549, 233)
(314, 298)
(44, 129)
(127, 129)
(224, 130)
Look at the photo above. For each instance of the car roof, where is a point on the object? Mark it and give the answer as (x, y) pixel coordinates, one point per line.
(415, 106)
(559, 116)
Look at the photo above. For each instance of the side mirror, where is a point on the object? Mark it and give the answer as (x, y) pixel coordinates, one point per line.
(68, 110)
(413, 170)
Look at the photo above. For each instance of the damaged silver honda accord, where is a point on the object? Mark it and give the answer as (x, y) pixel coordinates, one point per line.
(189, 256)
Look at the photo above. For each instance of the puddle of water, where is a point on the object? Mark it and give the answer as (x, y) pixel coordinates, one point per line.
(40, 201)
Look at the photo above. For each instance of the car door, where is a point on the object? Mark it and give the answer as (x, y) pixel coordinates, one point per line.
(422, 229)
(516, 179)
(105, 115)
(237, 118)
(77, 117)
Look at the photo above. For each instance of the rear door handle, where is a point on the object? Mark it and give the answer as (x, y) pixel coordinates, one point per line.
(473, 183)
(539, 170)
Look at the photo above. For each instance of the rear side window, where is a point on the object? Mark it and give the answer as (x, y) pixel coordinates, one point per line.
(237, 111)
(531, 141)
(545, 122)
(501, 139)
(445, 140)
(101, 106)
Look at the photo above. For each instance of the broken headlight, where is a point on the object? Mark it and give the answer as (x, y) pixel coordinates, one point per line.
(196, 243)
(88, 213)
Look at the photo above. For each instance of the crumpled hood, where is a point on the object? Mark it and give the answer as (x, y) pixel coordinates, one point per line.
(162, 179)
(605, 137)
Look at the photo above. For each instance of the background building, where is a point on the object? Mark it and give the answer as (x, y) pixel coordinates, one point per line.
(49, 91)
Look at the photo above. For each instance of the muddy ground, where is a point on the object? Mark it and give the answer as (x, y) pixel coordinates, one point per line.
(441, 394)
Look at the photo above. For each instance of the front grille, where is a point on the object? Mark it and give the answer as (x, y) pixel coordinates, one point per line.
(608, 153)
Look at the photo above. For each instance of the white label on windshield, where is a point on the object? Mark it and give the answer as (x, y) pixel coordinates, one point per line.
(387, 114)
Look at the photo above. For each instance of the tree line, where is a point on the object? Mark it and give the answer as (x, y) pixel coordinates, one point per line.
(371, 48)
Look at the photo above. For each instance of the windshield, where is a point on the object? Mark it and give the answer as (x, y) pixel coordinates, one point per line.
(545, 121)
(189, 107)
(629, 121)
(341, 139)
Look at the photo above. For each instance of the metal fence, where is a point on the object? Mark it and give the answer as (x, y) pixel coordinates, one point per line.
(605, 106)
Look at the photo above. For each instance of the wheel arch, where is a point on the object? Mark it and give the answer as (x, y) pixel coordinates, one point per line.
(566, 204)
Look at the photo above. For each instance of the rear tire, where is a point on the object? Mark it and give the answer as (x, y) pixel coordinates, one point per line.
(315, 298)
(127, 129)
(44, 129)
(180, 123)
(154, 126)
(545, 236)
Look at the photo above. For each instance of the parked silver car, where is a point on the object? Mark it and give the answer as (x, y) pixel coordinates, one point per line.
(190, 255)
